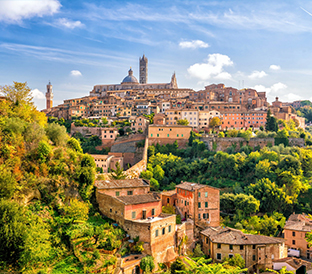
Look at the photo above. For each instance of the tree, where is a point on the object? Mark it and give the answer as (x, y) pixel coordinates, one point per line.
(19, 93)
(74, 144)
(158, 173)
(118, 173)
(76, 210)
(104, 121)
(147, 264)
(154, 184)
(271, 197)
(236, 261)
(215, 122)
(57, 134)
(183, 122)
(271, 123)
(198, 251)
(177, 266)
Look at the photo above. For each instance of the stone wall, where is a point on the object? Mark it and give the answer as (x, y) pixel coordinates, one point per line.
(221, 144)
(163, 141)
(135, 171)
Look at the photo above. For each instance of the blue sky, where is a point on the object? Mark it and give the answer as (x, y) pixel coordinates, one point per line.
(264, 45)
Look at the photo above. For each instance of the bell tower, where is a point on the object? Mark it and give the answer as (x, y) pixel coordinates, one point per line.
(49, 96)
(143, 70)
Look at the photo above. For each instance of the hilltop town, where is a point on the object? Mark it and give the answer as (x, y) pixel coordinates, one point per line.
(135, 120)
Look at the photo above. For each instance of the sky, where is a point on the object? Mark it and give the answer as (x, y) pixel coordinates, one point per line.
(265, 45)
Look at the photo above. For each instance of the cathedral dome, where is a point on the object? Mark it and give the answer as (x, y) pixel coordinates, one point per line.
(130, 78)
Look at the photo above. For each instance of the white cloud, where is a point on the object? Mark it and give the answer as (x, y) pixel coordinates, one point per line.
(75, 73)
(274, 88)
(291, 97)
(257, 74)
(13, 12)
(275, 67)
(69, 24)
(37, 94)
(194, 44)
(214, 68)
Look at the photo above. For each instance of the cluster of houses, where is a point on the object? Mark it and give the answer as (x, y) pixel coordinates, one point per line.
(132, 205)
(236, 108)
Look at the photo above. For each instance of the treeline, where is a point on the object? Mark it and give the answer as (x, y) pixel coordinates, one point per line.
(271, 182)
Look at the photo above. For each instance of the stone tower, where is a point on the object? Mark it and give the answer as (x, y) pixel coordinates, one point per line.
(143, 70)
(49, 96)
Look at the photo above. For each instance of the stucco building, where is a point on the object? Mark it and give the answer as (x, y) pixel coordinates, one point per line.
(138, 212)
(258, 251)
(199, 202)
(295, 230)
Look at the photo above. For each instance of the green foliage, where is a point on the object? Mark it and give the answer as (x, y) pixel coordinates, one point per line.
(236, 261)
(57, 134)
(118, 173)
(168, 209)
(74, 144)
(76, 210)
(231, 203)
(182, 122)
(8, 183)
(198, 251)
(177, 266)
(147, 264)
(271, 123)
(44, 150)
(154, 184)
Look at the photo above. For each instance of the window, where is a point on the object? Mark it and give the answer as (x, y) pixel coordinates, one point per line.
(230, 255)
(156, 233)
(169, 228)
(168, 200)
(231, 247)
(117, 193)
(206, 204)
(253, 246)
(206, 194)
(241, 247)
(157, 135)
(153, 211)
(129, 192)
(185, 202)
(199, 205)
(198, 194)
(163, 231)
(293, 242)
(218, 256)
(253, 257)
(167, 135)
(294, 233)
(198, 215)
(181, 135)
(133, 214)
(218, 245)
(110, 210)
(204, 216)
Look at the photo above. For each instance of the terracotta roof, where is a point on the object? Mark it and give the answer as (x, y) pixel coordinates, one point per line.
(227, 235)
(192, 186)
(294, 262)
(139, 199)
(169, 193)
(169, 126)
(111, 184)
(299, 222)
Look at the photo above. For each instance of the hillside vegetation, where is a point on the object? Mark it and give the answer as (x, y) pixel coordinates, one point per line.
(48, 218)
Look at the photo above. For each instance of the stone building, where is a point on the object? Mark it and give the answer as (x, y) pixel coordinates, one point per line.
(138, 212)
(167, 134)
(49, 96)
(199, 202)
(258, 251)
(295, 230)
(107, 162)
